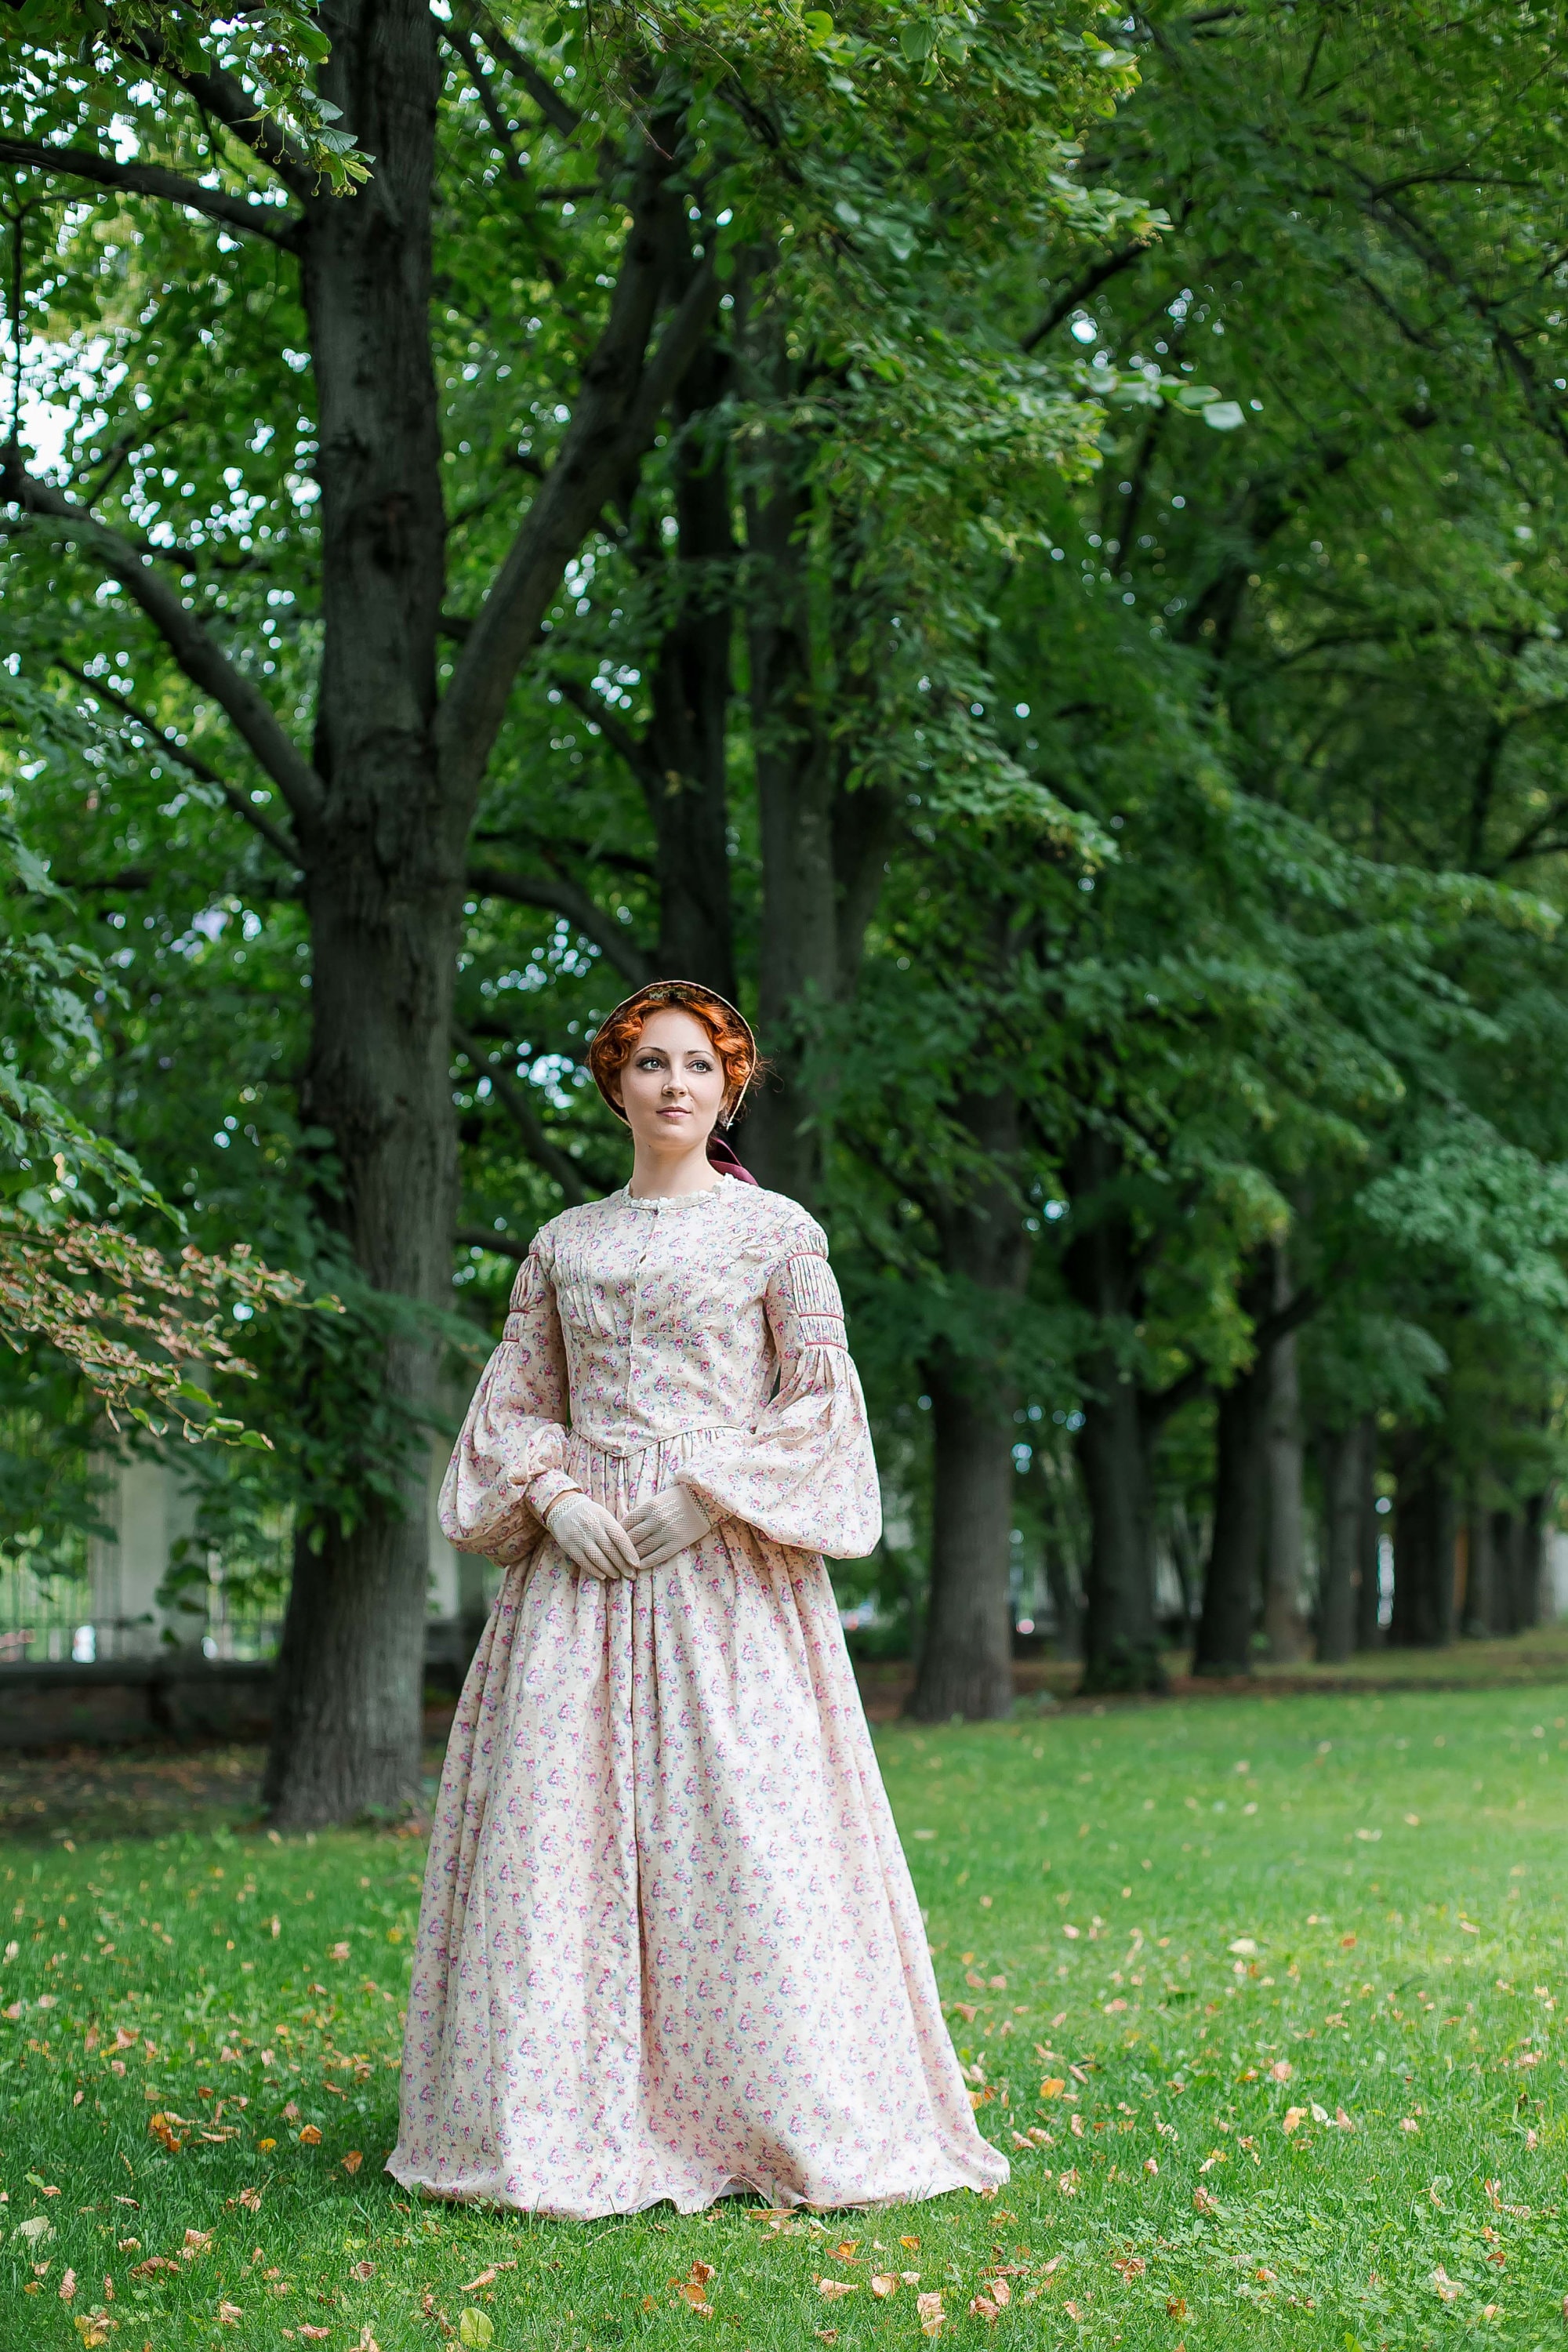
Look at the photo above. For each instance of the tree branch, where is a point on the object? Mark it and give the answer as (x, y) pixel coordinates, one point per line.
(276, 841)
(461, 42)
(154, 180)
(540, 87)
(225, 97)
(622, 394)
(629, 747)
(1111, 266)
(561, 897)
(503, 1245)
(514, 1098)
(202, 660)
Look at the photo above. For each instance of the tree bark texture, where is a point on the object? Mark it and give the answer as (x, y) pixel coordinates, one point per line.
(797, 962)
(1242, 1430)
(1341, 1467)
(1115, 1445)
(1241, 1471)
(384, 874)
(966, 1661)
(1369, 1632)
(1285, 1547)
(1423, 1532)
(686, 775)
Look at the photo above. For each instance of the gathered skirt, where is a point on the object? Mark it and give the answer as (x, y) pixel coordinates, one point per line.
(669, 1946)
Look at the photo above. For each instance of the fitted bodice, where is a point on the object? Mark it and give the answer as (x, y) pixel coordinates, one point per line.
(712, 1319)
(662, 1309)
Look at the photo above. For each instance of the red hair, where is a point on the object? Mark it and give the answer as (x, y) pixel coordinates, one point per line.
(616, 1040)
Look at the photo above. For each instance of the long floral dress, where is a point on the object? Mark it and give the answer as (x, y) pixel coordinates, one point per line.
(669, 1946)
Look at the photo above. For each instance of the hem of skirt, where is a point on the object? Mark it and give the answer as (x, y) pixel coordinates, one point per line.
(490, 2191)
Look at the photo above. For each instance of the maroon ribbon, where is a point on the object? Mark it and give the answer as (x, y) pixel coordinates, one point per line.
(721, 1157)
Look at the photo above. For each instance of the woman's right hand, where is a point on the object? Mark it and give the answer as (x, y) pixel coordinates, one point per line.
(593, 1538)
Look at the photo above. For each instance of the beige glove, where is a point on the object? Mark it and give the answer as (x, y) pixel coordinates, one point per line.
(666, 1524)
(591, 1538)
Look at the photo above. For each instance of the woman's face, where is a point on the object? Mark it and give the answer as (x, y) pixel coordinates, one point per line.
(672, 1087)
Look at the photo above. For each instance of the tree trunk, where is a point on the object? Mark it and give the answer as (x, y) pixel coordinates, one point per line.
(1369, 1595)
(1476, 1621)
(1285, 1550)
(797, 945)
(966, 1661)
(686, 779)
(1424, 1522)
(1503, 1614)
(1121, 1635)
(1533, 1561)
(1115, 1445)
(1341, 1467)
(383, 893)
(1241, 1469)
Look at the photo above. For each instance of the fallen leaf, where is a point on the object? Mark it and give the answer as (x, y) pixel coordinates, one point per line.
(1281, 2071)
(883, 2282)
(846, 2252)
(1151, 2163)
(367, 2271)
(1202, 2200)
(291, 2112)
(196, 2243)
(163, 2130)
(251, 2200)
(316, 2334)
(1347, 1943)
(1408, 2124)
(981, 2308)
(1448, 2289)
(353, 2161)
(1176, 2307)
(1000, 2292)
(1131, 2266)
(229, 2314)
(1343, 2120)
(931, 2314)
(1053, 2086)
(837, 2286)
(475, 2327)
(1294, 2117)
(92, 2329)
(153, 2266)
(68, 2287)
(309, 2136)
(338, 1952)
(367, 2342)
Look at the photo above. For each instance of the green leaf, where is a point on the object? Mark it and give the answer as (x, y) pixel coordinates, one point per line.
(917, 42)
(1224, 416)
(475, 2327)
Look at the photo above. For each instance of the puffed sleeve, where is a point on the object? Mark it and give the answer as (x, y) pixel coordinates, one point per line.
(805, 1476)
(505, 1470)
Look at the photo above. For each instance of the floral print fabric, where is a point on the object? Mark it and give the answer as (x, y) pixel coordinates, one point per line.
(669, 1946)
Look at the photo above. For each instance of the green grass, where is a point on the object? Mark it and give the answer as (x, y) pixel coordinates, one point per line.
(1405, 1969)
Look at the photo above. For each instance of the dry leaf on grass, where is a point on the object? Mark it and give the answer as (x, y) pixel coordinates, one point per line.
(1447, 2289)
(229, 2314)
(309, 2136)
(837, 2286)
(1176, 2307)
(883, 2282)
(251, 2200)
(353, 2161)
(981, 2308)
(68, 2287)
(931, 2314)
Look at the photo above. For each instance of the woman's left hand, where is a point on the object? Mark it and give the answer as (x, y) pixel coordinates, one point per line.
(666, 1524)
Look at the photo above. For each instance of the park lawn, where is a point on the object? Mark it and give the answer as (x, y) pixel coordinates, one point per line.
(1293, 1964)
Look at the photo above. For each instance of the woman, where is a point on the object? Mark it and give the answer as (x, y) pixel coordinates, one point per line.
(669, 1946)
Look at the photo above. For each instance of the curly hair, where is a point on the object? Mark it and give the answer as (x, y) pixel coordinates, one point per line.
(616, 1040)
